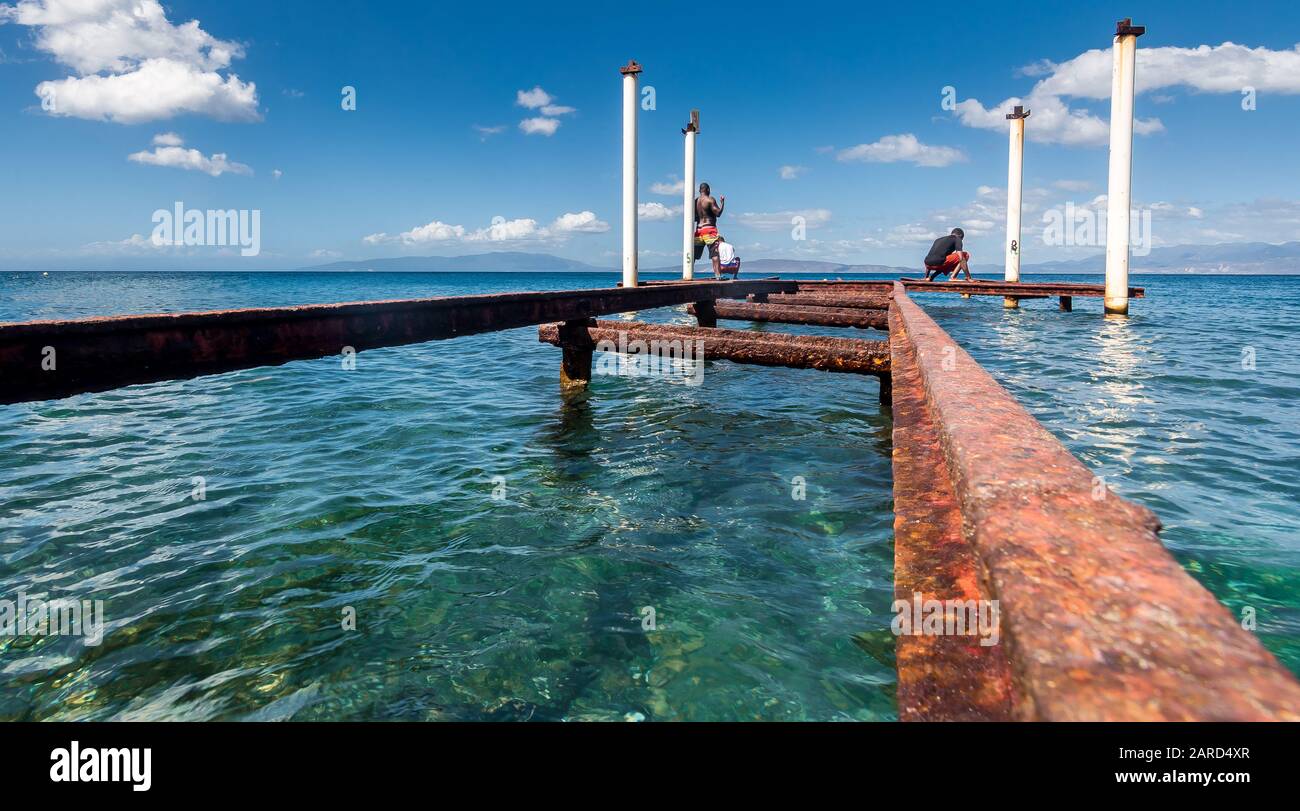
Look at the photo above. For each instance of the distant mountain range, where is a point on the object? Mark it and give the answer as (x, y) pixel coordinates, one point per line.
(1239, 257)
(1228, 257)
(517, 261)
(501, 260)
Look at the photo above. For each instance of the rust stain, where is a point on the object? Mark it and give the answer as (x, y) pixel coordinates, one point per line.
(940, 678)
(765, 349)
(787, 314)
(94, 354)
(1102, 623)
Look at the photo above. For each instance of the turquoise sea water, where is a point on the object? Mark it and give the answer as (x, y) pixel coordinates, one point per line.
(499, 544)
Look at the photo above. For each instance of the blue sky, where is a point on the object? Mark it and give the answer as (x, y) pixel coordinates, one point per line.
(848, 96)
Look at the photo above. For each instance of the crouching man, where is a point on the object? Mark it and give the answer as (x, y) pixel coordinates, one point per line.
(946, 256)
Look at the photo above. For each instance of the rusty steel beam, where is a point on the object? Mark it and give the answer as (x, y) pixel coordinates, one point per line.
(42, 360)
(981, 287)
(813, 316)
(741, 346)
(940, 677)
(829, 299)
(1101, 622)
(880, 287)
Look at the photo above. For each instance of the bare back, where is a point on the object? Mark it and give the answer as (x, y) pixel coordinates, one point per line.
(707, 210)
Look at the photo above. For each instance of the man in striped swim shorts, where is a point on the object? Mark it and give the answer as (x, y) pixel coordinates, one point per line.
(707, 212)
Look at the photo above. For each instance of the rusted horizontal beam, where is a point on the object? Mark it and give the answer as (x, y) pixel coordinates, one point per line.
(866, 302)
(981, 287)
(882, 287)
(741, 346)
(813, 316)
(1101, 622)
(42, 360)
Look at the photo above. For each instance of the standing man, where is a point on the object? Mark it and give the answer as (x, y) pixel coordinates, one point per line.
(946, 256)
(707, 212)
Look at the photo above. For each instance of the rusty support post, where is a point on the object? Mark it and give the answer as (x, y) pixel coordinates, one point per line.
(577, 346)
(706, 313)
(1067, 304)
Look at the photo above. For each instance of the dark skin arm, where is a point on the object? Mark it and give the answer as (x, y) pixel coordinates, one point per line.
(707, 210)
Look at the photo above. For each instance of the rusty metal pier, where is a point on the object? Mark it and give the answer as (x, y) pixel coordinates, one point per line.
(1097, 620)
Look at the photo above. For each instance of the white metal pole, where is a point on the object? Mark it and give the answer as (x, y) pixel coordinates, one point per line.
(1015, 186)
(1121, 165)
(630, 100)
(688, 198)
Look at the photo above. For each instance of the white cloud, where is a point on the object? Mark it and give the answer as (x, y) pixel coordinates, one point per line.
(1042, 67)
(538, 99)
(276, 174)
(657, 212)
(673, 188)
(503, 230)
(784, 220)
(1073, 185)
(532, 99)
(159, 88)
(168, 151)
(433, 232)
(487, 132)
(1226, 68)
(583, 222)
(792, 172)
(1051, 120)
(133, 64)
(539, 126)
(524, 229)
(905, 147)
(136, 244)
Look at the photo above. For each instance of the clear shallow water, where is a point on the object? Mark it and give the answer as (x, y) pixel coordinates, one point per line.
(373, 489)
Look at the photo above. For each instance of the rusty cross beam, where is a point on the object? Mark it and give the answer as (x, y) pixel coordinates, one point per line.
(42, 360)
(741, 346)
(980, 287)
(866, 302)
(859, 317)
